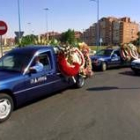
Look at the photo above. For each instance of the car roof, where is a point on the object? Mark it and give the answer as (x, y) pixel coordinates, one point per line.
(31, 49)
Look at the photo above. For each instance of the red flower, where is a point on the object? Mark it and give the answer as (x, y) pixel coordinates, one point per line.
(66, 68)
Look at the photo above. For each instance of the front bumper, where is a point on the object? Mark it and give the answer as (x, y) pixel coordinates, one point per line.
(135, 66)
(96, 66)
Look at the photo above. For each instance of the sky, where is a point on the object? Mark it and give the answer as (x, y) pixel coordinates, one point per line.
(62, 14)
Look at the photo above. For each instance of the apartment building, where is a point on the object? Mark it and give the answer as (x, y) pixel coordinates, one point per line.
(89, 35)
(125, 31)
(112, 31)
(106, 30)
(51, 35)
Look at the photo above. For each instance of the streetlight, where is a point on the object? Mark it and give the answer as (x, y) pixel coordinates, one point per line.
(19, 33)
(98, 28)
(29, 24)
(19, 22)
(46, 9)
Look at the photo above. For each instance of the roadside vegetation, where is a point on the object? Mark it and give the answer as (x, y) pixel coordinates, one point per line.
(67, 37)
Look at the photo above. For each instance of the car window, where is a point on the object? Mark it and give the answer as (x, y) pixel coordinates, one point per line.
(45, 60)
(14, 62)
(105, 52)
(117, 52)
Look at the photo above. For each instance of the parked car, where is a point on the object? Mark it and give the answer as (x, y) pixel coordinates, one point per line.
(107, 58)
(135, 66)
(19, 84)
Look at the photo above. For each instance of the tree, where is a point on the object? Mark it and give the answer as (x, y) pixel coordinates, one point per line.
(28, 40)
(68, 37)
(137, 41)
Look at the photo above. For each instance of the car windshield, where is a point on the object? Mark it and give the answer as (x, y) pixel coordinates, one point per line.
(104, 52)
(14, 62)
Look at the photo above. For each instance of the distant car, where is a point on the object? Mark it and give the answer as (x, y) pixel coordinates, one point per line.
(107, 58)
(135, 66)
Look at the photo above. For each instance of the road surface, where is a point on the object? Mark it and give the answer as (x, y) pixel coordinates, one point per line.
(106, 108)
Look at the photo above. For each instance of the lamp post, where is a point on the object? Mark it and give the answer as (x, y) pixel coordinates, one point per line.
(29, 24)
(19, 22)
(98, 28)
(46, 9)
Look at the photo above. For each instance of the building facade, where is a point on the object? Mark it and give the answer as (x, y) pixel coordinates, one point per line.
(112, 31)
(89, 35)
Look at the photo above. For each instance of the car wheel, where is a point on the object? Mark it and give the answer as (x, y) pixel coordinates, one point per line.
(136, 72)
(6, 107)
(80, 81)
(104, 66)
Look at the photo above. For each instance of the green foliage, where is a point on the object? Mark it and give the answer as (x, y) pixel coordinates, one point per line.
(137, 41)
(54, 42)
(27, 40)
(68, 37)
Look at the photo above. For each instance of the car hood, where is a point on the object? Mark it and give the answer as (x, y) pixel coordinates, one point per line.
(5, 75)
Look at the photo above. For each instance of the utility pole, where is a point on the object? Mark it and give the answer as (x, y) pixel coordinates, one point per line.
(98, 26)
(46, 9)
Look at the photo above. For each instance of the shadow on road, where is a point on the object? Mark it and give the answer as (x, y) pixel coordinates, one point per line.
(130, 73)
(110, 88)
(102, 88)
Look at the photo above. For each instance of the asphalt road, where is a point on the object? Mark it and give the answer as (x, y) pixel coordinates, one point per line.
(106, 108)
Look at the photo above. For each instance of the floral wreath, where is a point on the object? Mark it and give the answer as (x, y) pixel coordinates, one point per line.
(73, 61)
(129, 52)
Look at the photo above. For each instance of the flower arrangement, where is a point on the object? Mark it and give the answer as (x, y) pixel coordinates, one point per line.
(73, 60)
(129, 52)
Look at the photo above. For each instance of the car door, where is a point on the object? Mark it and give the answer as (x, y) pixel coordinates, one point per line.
(115, 59)
(46, 81)
(38, 83)
(55, 80)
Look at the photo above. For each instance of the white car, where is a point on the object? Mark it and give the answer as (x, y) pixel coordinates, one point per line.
(135, 66)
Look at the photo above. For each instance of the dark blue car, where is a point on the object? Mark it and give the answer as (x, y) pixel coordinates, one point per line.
(107, 58)
(19, 84)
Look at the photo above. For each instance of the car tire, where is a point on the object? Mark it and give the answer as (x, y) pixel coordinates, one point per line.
(103, 66)
(80, 81)
(136, 72)
(6, 106)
